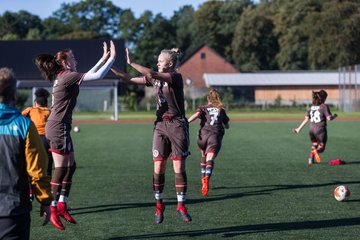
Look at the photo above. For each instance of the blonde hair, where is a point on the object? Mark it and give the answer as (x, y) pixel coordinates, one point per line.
(215, 99)
(174, 55)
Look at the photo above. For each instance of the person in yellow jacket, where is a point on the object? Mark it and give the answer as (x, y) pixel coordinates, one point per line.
(39, 113)
(23, 163)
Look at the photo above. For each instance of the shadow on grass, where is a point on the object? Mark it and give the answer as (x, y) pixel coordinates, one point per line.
(234, 231)
(265, 190)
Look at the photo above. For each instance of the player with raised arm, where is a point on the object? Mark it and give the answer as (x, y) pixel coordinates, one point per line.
(171, 133)
(213, 122)
(61, 71)
(318, 115)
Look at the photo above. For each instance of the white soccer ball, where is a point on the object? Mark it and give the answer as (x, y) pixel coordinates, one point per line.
(341, 193)
(76, 129)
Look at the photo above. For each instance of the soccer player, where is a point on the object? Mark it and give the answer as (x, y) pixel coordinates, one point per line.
(61, 71)
(171, 133)
(318, 114)
(23, 163)
(39, 114)
(213, 122)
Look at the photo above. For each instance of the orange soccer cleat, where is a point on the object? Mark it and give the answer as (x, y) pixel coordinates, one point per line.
(317, 156)
(205, 185)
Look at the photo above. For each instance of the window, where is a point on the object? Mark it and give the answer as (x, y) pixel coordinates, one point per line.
(203, 55)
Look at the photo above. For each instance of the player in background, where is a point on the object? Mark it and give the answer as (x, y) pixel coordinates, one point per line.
(213, 122)
(39, 114)
(318, 114)
(61, 71)
(171, 133)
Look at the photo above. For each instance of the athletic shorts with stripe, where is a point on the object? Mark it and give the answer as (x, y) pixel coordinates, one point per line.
(58, 135)
(171, 138)
(209, 141)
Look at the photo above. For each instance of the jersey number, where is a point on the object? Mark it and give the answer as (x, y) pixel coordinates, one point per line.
(214, 117)
(315, 116)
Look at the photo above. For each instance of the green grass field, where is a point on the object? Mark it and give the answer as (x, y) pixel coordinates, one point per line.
(262, 187)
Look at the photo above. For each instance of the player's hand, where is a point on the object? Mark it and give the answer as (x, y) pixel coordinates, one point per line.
(128, 58)
(105, 52)
(45, 212)
(112, 49)
(295, 130)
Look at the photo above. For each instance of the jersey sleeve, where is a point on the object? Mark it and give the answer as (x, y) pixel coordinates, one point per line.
(26, 112)
(327, 111)
(36, 165)
(149, 82)
(226, 119)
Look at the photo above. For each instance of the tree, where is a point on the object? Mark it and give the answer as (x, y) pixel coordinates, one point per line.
(182, 21)
(289, 17)
(229, 13)
(255, 45)
(333, 35)
(18, 24)
(95, 16)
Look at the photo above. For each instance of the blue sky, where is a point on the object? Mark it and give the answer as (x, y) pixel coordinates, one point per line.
(44, 8)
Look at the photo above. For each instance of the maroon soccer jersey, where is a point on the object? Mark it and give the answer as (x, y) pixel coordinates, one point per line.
(318, 115)
(212, 118)
(64, 94)
(169, 96)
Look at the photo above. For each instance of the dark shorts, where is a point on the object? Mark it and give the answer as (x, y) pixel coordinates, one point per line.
(171, 137)
(58, 135)
(318, 135)
(15, 227)
(209, 141)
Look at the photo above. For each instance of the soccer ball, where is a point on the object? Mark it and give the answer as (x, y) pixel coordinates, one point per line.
(76, 129)
(341, 193)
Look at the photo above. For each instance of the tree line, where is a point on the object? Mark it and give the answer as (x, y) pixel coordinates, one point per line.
(269, 35)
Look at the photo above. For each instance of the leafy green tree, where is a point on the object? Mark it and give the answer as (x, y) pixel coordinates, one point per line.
(229, 14)
(333, 35)
(254, 44)
(55, 28)
(95, 16)
(289, 17)
(19, 24)
(156, 33)
(182, 22)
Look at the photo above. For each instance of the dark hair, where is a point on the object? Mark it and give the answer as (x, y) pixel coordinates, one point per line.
(319, 97)
(7, 85)
(215, 99)
(41, 96)
(50, 65)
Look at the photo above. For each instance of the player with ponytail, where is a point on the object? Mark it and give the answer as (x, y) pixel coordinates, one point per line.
(171, 133)
(61, 71)
(213, 122)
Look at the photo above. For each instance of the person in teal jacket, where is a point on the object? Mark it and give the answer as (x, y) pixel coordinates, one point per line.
(23, 163)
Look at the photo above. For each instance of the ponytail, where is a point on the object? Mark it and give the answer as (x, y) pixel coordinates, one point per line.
(50, 65)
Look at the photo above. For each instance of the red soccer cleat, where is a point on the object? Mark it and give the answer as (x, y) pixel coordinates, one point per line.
(205, 185)
(63, 212)
(159, 214)
(182, 212)
(55, 220)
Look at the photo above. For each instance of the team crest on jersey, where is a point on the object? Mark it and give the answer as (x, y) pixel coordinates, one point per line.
(155, 153)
